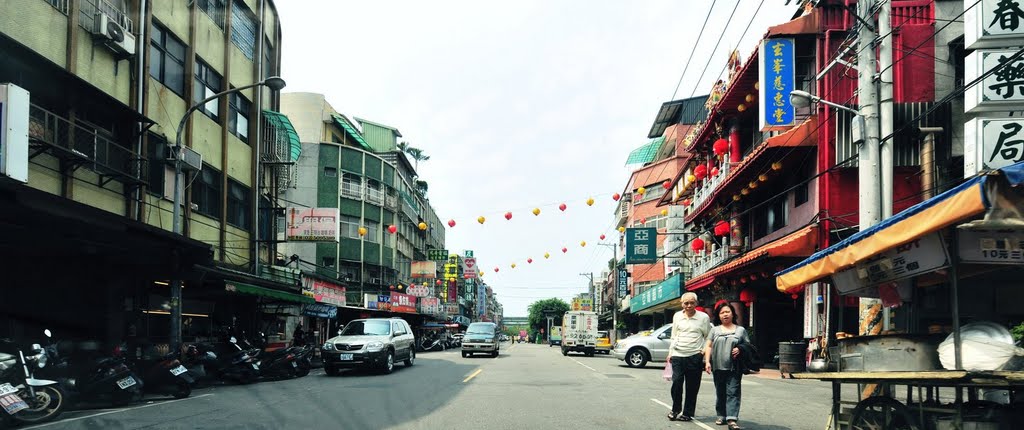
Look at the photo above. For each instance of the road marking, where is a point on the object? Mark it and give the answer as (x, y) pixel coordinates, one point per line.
(695, 421)
(115, 411)
(473, 375)
(581, 364)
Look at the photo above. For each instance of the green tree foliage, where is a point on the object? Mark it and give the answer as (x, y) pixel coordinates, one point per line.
(536, 317)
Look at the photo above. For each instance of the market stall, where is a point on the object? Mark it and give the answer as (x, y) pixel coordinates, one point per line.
(933, 349)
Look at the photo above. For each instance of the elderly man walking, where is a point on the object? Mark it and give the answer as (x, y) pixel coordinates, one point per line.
(687, 354)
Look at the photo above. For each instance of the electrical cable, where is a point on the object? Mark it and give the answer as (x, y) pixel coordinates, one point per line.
(692, 51)
(697, 84)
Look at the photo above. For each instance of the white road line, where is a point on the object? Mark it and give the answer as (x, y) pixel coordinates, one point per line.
(473, 375)
(115, 411)
(695, 421)
(581, 364)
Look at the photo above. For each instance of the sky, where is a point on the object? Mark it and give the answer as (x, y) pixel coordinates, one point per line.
(520, 104)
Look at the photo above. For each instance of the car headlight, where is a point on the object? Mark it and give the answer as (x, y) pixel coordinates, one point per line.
(375, 346)
(328, 346)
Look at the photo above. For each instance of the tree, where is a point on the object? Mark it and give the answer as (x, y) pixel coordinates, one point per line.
(536, 317)
(417, 155)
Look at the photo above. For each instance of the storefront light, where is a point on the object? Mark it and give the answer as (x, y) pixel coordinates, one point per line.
(164, 283)
(160, 312)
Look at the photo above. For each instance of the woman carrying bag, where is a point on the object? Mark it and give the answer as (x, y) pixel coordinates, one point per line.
(723, 357)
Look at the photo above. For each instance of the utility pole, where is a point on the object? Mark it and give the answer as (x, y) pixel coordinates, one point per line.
(615, 291)
(590, 286)
(868, 156)
(885, 118)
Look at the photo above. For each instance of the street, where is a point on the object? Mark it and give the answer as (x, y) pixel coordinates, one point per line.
(527, 387)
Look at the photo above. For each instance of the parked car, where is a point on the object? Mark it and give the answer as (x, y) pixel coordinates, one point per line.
(604, 344)
(370, 343)
(638, 349)
(481, 337)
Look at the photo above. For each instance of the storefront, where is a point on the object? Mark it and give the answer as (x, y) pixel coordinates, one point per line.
(320, 318)
(655, 306)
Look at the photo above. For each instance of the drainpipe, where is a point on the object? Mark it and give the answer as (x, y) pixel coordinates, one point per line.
(140, 87)
(928, 162)
(254, 235)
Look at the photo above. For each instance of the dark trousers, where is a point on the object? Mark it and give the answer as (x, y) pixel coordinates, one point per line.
(727, 393)
(686, 370)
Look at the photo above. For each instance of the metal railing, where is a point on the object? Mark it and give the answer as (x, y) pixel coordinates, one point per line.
(89, 9)
(707, 188)
(351, 190)
(705, 262)
(61, 5)
(391, 201)
(374, 195)
(87, 146)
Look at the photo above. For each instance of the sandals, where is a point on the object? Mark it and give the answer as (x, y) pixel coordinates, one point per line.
(678, 417)
(734, 426)
(720, 422)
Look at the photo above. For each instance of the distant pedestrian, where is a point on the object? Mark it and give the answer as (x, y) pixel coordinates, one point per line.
(724, 352)
(687, 354)
(298, 338)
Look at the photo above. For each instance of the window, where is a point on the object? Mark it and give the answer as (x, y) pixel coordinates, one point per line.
(268, 59)
(167, 61)
(156, 155)
(372, 231)
(801, 194)
(243, 29)
(238, 116)
(349, 227)
(327, 262)
(239, 212)
(351, 186)
(771, 217)
(215, 9)
(208, 83)
(206, 192)
(331, 172)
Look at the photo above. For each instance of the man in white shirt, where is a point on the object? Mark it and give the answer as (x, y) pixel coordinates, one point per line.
(687, 353)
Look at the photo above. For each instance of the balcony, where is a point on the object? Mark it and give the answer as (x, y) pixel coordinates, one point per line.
(702, 263)
(82, 146)
(391, 202)
(374, 195)
(706, 189)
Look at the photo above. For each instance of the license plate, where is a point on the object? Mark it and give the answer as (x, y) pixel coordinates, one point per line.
(6, 388)
(178, 370)
(126, 382)
(12, 403)
(345, 357)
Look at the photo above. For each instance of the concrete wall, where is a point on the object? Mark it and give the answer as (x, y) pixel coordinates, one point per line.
(307, 112)
(38, 25)
(944, 11)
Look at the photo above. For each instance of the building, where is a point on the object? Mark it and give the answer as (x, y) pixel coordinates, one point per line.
(109, 82)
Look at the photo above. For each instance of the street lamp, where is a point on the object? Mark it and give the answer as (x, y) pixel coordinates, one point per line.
(858, 127)
(275, 83)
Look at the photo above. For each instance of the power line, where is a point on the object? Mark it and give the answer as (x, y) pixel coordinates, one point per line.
(695, 43)
(697, 84)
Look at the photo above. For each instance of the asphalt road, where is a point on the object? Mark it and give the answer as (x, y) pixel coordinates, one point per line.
(526, 387)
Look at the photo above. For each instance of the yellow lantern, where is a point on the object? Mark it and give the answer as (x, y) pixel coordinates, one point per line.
(757, 85)
(423, 226)
(741, 107)
(691, 178)
(752, 184)
(583, 243)
(664, 212)
(744, 191)
(622, 229)
(735, 197)
(777, 165)
(536, 211)
(749, 98)
(546, 255)
(481, 220)
(513, 265)
(590, 201)
(362, 231)
(762, 177)
(641, 190)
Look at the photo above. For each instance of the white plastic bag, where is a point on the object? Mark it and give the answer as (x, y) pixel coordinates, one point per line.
(981, 349)
(667, 372)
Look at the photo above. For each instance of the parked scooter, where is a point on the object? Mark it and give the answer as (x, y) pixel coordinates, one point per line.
(289, 362)
(24, 398)
(233, 364)
(165, 375)
(91, 377)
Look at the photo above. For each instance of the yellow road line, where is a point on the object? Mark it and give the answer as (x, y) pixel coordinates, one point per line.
(473, 375)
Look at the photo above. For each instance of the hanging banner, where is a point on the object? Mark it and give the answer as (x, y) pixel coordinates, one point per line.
(311, 224)
(777, 72)
(423, 269)
(403, 303)
(481, 300)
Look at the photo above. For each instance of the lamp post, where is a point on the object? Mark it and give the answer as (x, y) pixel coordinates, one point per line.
(275, 83)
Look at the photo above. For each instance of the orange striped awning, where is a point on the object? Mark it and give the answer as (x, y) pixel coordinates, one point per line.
(800, 243)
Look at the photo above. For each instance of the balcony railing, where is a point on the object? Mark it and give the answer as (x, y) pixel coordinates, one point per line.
(351, 190)
(705, 262)
(374, 195)
(90, 8)
(707, 187)
(82, 146)
(391, 201)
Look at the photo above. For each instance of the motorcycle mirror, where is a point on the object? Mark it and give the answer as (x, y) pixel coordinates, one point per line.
(339, 332)
(37, 347)
(47, 333)
(233, 340)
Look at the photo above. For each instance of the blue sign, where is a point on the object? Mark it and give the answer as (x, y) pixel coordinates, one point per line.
(667, 290)
(641, 245)
(778, 76)
(319, 310)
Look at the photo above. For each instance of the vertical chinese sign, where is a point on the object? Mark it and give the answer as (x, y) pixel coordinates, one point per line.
(777, 77)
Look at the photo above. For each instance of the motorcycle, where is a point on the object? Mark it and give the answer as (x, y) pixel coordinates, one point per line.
(23, 397)
(165, 375)
(89, 376)
(233, 364)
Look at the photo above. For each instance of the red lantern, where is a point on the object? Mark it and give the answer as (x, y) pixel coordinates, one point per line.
(451, 223)
(753, 276)
(391, 287)
(392, 229)
(700, 172)
(686, 202)
(529, 261)
(602, 237)
(743, 280)
(508, 215)
(794, 296)
(721, 228)
(439, 281)
(616, 196)
(495, 271)
(697, 245)
(667, 184)
(721, 146)
(562, 207)
(643, 220)
(747, 295)
(714, 171)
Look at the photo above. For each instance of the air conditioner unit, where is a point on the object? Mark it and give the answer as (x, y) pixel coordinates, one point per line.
(190, 159)
(114, 35)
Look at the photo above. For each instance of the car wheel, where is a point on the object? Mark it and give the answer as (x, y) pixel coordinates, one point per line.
(389, 362)
(465, 354)
(494, 354)
(332, 371)
(636, 357)
(565, 351)
(412, 358)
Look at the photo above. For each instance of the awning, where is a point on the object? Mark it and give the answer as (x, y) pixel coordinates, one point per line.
(800, 243)
(281, 122)
(958, 204)
(646, 153)
(352, 131)
(807, 24)
(805, 134)
(240, 287)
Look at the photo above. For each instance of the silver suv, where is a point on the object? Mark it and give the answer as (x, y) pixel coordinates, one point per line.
(638, 349)
(370, 343)
(481, 337)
